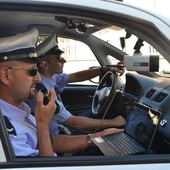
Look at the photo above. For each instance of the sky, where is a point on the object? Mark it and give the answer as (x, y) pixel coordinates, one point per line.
(160, 6)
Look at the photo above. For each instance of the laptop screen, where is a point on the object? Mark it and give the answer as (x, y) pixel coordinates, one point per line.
(142, 124)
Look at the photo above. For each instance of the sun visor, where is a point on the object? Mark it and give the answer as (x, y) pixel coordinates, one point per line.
(142, 62)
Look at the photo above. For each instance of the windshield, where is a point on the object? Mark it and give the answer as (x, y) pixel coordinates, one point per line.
(126, 42)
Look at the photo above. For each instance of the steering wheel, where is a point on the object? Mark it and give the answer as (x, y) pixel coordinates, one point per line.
(103, 94)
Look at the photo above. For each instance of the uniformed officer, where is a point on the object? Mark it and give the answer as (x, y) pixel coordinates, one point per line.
(18, 76)
(52, 76)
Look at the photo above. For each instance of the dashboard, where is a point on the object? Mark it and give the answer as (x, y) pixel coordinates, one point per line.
(154, 93)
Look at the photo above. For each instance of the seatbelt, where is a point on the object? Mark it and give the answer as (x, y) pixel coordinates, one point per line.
(58, 93)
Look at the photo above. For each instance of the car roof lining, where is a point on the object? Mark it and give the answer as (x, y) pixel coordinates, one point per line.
(44, 23)
(45, 20)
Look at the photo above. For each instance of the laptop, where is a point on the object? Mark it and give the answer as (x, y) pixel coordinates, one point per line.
(137, 136)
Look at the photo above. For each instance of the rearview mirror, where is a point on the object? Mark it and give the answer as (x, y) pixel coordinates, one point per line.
(95, 80)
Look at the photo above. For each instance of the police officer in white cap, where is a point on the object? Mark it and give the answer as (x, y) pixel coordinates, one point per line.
(29, 135)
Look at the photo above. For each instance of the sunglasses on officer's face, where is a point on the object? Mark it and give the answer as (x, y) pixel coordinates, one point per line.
(31, 71)
(59, 58)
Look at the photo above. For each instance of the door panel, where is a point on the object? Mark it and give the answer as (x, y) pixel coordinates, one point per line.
(78, 98)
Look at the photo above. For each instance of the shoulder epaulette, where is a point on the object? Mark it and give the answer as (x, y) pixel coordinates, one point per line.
(10, 127)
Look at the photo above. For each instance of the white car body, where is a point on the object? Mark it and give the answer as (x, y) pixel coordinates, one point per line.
(136, 20)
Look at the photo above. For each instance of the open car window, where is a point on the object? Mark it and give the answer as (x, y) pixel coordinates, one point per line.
(119, 38)
(79, 54)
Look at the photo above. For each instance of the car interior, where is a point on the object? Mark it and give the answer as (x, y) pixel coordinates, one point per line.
(145, 81)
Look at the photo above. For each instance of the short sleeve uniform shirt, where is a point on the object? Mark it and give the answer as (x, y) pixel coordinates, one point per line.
(59, 81)
(25, 141)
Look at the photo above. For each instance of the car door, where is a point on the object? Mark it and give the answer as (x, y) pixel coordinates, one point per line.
(78, 98)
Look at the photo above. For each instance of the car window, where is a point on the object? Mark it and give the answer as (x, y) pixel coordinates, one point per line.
(122, 40)
(78, 56)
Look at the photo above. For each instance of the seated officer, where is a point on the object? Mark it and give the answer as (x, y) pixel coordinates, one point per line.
(30, 135)
(52, 76)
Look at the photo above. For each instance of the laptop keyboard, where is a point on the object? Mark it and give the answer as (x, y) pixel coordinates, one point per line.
(122, 144)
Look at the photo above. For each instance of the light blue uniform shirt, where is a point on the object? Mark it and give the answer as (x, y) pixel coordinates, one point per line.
(25, 142)
(59, 81)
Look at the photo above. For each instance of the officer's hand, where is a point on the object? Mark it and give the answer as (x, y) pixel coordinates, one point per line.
(44, 113)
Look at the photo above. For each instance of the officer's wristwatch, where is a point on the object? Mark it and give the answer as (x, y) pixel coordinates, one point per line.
(89, 140)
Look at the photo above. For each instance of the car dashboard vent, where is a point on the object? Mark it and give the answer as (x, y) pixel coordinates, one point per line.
(160, 97)
(150, 93)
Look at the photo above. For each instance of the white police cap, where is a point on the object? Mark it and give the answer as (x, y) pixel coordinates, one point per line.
(48, 47)
(19, 47)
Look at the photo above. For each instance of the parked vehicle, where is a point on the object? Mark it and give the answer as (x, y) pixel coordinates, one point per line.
(100, 32)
